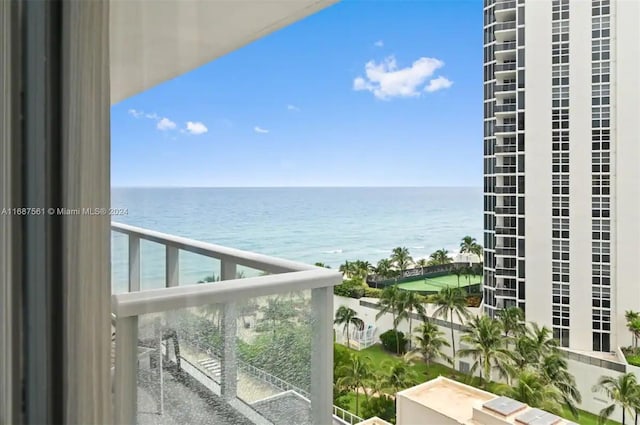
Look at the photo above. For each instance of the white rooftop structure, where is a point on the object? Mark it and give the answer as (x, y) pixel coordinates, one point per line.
(443, 401)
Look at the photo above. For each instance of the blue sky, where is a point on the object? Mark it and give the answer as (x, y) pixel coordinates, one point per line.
(364, 93)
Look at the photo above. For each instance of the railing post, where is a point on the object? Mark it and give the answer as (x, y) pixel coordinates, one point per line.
(158, 337)
(229, 364)
(172, 266)
(134, 263)
(322, 356)
(126, 373)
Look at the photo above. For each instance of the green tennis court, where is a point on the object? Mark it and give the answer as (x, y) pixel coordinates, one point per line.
(435, 284)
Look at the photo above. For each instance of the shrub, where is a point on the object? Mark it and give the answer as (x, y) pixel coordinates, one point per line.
(341, 398)
(389, 341)
(382, 407)
(372, 292)
(350, 288)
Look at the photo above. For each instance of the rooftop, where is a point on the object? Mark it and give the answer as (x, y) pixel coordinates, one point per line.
(468, 405)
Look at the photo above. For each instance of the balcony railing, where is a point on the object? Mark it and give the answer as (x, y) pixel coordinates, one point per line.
(507, 107)
(148, 322)
(505, 210)
(500, 47)
(505, 189)
(505, 87)
(505, 272)
(509, 128)
(505, 169)
(502, 26)
(500, 230)
(502, 251)
(505, 5)
(506, 149)
(509, 66)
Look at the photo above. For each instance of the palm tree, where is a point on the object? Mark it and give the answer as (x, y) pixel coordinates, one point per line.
(512, 320)
(355, 375)
(408, 301)
(451, 301)
(440, 257)
(478, 250)
(401, 259)
(623, 391)
(457, 272)
(347, 316)
(531, 388)
(633, 324)
(384, 269)
(534, 345)
(399, 376)
(430, 343)
(422, 263)
(348, 269)
(320, 264)
(278, 311)
(390, 303)
(486, 347)
(555, 370)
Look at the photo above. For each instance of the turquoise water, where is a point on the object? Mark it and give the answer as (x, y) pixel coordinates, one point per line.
(304, 224)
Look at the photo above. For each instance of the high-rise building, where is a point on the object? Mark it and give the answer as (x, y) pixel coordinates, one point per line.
(561, 165)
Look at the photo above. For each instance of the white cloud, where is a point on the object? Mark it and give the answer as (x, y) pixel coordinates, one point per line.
(152, 116)
(438, 84)
(260, 130)
(379, 43)
(196, 128)
(165, 124)
(385, 80)
(292, 108)
(135, 113)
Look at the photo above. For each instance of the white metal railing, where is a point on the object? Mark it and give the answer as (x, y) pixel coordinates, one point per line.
(285, 277)
(346, 416)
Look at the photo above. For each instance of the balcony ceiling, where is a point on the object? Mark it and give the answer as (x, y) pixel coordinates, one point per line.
(152, 41)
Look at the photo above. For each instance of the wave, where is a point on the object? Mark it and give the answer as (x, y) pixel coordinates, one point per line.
(334, 251)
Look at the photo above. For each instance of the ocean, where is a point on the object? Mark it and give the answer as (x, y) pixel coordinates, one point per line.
(329, 225)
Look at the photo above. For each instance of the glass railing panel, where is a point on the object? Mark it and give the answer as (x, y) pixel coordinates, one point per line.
(196, 268)
(119, 263)
(152, 265)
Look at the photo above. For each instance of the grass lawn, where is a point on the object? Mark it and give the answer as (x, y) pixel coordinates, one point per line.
(435, 284)
(379, 358)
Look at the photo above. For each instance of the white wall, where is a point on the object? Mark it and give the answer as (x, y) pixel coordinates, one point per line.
(587, 376)
(410, 412)
(626, 157)
(580, 334)
(538, 161)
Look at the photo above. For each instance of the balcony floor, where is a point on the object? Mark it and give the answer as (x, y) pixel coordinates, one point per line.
(183, 404)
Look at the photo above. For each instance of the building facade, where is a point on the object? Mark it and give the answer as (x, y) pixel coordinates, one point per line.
(561, 159)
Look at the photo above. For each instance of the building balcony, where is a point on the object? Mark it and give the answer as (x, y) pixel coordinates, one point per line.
(509, 128)
(505, 251)
(505, 189)
(505, 108)
(504, 5)
(507, 66)
(218, 352)
(500, 47)
(505, 231)
(505, 169)
(505, 88)
(504, 26)
(505, 11)
(505, 210)
(506, 149)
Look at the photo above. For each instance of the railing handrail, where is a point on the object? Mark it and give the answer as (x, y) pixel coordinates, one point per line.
(167, 299)
(353, 419)
(244, 258)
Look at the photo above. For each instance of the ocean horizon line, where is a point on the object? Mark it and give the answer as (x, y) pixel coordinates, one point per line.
(296, 187)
